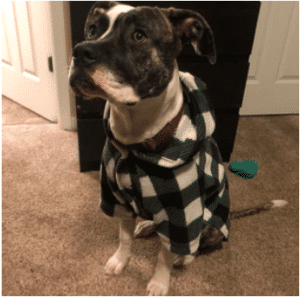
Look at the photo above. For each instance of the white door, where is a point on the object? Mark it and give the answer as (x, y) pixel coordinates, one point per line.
(273, 82)
(26, 47)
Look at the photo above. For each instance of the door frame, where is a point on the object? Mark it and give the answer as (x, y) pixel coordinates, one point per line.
(62, 53)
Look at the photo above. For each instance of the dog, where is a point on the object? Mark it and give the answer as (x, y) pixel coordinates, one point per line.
(160, 161)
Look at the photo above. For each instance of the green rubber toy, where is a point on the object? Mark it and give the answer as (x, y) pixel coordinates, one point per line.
(246, 169)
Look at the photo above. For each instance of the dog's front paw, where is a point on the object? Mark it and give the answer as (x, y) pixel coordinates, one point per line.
(158, 287)
(116, 263)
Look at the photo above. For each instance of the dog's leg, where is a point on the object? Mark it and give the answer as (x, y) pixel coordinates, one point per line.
(183, 260)
(144, 228)
(160, 282)
(119, 260)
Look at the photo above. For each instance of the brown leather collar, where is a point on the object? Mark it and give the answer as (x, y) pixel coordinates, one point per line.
(158, 142)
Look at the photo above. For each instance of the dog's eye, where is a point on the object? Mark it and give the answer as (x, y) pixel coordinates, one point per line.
(139, 36)
(93, 31)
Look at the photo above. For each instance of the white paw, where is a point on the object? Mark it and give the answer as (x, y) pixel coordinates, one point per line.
(183, 260)
(144, 228)
(116, 264)
(157, 288)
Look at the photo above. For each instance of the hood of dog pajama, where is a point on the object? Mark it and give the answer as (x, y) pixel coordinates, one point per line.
(179, 188)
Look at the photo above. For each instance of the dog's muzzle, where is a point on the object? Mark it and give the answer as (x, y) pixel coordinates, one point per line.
(94, 74)
(84, 57)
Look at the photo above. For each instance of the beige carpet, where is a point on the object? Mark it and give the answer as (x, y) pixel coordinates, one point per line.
(55, 241)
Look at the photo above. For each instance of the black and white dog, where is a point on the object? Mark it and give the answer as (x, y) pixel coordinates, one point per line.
(160, 161)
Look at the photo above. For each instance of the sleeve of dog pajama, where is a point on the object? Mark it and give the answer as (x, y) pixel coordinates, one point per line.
(217, 203)
(109, 204)
(107, 199)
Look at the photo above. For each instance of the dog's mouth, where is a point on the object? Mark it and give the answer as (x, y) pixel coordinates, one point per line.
(85, 87)
(103, 84)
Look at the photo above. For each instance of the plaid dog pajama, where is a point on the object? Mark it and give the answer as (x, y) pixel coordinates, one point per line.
(181, 187)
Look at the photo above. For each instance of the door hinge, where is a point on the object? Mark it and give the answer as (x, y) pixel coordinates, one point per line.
(50, 64)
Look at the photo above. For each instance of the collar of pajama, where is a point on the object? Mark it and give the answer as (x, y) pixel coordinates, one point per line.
(179, 188)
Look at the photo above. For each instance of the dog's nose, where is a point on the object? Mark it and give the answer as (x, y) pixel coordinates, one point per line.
(84, 54)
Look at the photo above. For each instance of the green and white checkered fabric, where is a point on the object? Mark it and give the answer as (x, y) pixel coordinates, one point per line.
(178, 188)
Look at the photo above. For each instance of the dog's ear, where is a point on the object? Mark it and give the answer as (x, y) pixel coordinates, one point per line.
(191, 27)
(101, 7)
(95, 20)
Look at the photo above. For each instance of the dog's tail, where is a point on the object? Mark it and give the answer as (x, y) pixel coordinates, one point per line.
(257, 209)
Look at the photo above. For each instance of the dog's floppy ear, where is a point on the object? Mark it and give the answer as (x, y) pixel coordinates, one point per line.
(191, 27)
(102, 6)
(95, 13)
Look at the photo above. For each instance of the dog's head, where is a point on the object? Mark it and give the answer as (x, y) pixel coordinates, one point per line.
(129, 53)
